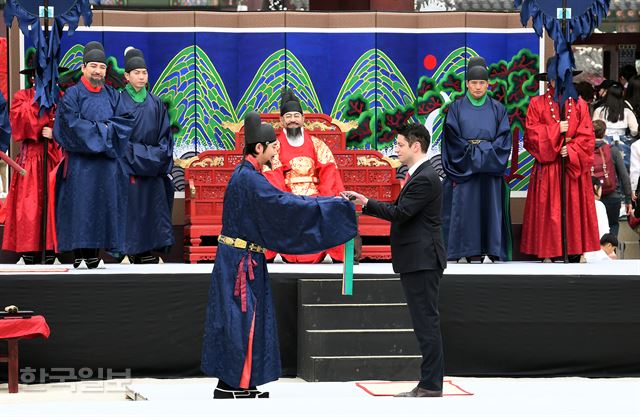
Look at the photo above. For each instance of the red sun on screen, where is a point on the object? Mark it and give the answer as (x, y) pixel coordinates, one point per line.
(429, 62)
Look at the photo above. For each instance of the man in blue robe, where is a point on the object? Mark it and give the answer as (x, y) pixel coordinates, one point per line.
(147, 160)
(475, 152)
(240, 344)
(89, 207)
(5, 127)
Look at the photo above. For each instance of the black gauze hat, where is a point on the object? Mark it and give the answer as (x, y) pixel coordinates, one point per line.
(94, 52)
(289, 102)
(133, 59)
(477, 69)
(257, 132)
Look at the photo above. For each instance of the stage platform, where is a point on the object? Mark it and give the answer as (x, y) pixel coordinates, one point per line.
(613, 268)
(492, 397)
(510, 319)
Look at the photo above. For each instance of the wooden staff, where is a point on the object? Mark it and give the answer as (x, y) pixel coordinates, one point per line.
(13, 164)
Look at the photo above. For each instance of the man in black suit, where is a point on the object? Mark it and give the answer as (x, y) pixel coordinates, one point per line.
(417, 250)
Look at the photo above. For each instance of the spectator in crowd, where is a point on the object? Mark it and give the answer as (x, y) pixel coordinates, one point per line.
(608, 167)
(632, 95)
(635, 170)
(626, 73)
(587, 92)
(607, 252)
(601, 93)
(618, 118)
(601, 210)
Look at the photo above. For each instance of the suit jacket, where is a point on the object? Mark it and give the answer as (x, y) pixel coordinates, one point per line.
(416, 222)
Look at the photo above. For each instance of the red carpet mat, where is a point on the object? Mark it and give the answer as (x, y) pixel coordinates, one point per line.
(389, 389)
(19, 270)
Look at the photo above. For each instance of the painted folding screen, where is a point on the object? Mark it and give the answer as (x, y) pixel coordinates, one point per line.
(379, 77)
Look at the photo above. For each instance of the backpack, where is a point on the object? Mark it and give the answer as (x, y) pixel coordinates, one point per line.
(604, 169)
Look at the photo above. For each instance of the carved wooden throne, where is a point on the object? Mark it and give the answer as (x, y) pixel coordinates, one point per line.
(207, 175)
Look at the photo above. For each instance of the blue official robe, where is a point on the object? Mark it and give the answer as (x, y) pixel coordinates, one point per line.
(256, 211)
(475, 210)
(89, 183)
(5, 127)
(147, 159)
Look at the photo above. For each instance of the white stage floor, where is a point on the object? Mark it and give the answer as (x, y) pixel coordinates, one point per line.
(619, 267)
(493, 397)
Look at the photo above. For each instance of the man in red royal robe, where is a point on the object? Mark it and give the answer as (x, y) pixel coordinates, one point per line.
(22, 230)
(542, 227)
(304, 166)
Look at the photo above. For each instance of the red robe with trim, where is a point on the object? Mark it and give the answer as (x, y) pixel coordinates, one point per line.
(24, 203)
(542, 228)
(308, 170)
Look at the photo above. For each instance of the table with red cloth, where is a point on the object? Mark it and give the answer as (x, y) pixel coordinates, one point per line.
(12, 329)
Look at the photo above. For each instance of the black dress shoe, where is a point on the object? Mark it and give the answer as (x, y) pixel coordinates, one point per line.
(420, 392)
(145, 258)
(27, 259)
(94, 263)
(80, 263)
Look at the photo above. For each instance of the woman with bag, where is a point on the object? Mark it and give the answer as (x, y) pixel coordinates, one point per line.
(608, 167)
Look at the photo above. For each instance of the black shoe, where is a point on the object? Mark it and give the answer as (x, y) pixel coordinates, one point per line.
(489, 259)
(50, 258)
(221, 393)
(145, 259)
(80, 263)
(27, 259)
(95, 263)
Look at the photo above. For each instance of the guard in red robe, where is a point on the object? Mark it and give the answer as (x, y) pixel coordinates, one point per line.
(22, 230)
(5, 138)
(542, 227)
(304, 166)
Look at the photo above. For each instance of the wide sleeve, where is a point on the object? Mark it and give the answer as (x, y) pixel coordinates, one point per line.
(580, 147)
(414, 199)
(294, 224)
(329, 180)
(462, 159)
(494, 155)
(76, 134)
(541, 139)
(152, 160)
(25, 119)
(5, 126)
(275, 174)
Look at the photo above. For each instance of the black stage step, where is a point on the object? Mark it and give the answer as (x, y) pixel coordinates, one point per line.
(364, 336)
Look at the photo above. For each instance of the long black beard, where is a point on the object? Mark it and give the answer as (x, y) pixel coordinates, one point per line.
(96, 83)
(294, 132)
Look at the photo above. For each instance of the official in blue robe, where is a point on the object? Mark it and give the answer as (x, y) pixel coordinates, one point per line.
(89, 203)
(5, 127)
(147, 160)
(475, 154)
(240, 344)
